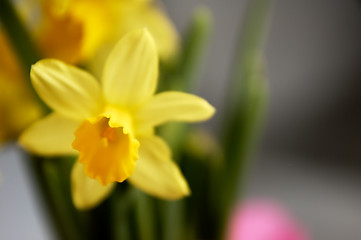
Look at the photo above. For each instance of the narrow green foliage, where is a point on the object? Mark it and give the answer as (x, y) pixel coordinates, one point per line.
(49, 180)
(196, 41)
(245, 105)
(51, 175)
(122, 203)
(185, 76)
(144, 211)
(18, 35)
(21, 42)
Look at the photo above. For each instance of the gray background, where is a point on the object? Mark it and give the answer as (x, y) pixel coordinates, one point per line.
(309, 154)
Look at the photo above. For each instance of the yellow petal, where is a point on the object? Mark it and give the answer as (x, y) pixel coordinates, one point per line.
(173, 106)
(50, 136)
(86, 192)
(163, 31)
(18, 108)
(9, 62)
(131, 70)
(61, 35)
(145, 13)
(57, 6)
(96, 17)
(134, 1)
(155, 172)
(67, 89)
(108, 153)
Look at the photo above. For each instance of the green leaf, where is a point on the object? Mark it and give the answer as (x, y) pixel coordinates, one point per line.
(246, 102)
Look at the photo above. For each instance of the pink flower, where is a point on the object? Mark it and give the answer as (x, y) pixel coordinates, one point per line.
(263, 220)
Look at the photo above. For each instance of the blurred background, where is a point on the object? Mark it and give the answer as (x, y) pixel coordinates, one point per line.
(308, 157)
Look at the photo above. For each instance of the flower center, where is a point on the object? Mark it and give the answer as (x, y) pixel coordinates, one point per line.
(107, 152)
(110, 134)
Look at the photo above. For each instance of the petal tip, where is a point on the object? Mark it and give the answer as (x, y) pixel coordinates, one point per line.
(22, 141)
(186, 190)
(212, 110)
(87, 193)
(135, 51)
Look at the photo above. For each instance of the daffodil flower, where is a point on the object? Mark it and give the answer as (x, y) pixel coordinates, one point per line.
(75, 30)
(111, 124)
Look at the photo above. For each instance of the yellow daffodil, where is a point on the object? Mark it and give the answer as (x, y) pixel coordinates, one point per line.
(74, 30)
(111, 124)
(17, 107)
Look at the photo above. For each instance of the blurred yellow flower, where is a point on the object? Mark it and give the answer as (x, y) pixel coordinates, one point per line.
(147, 13)
(17, 106)
(113, 122)
(74, 30)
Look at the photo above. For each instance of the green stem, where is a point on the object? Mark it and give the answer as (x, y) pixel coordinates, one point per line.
(202, 160)
(145, 217)
(172, 219)
(21, 42)
(45, 171)
(39, 176)
(195, 45)
(184, 74)
(65, 212)
(45, 175)
(246, 101)
(186, 77)
(18, 35)
(121, 204)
